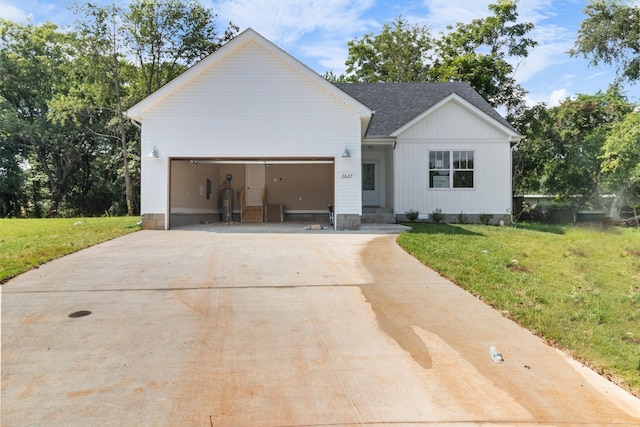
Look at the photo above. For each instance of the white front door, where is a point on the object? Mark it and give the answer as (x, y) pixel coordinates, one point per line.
(370, 183)
(255, 184)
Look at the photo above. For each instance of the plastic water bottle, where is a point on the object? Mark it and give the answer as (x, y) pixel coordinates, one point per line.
(495, 354)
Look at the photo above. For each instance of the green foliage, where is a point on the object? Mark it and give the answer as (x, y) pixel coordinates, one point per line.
(610, 34)
(462, 218)
(485, 218)
(476, 53)
(562, 152)
(412, 215)
(397, 54)
(66, 146)
(577, 287)
(621, 159)
(27, 243)
(169, 36)
(437, 216)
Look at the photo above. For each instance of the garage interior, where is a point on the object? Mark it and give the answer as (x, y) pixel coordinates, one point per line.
(204, 191)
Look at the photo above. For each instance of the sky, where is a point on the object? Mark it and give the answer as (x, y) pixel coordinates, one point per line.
(316, 33)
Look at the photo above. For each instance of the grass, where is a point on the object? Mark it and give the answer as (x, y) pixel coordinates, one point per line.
(576, 287)
(27, 243)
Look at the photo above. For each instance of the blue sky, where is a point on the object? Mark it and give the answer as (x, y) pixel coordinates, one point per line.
(316, 32)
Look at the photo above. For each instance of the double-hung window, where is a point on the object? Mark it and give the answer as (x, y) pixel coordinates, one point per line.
(451, 169)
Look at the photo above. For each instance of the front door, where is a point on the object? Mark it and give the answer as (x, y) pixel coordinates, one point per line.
(370, 183)
(255, 184)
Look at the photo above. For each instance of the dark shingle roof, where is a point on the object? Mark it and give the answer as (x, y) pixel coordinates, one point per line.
(396, 104)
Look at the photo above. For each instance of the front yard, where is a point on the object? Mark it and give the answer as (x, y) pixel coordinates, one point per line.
(577, 287)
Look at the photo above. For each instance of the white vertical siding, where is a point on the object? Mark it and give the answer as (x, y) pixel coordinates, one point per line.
(453, 127)
(252, 104)
(453, 121)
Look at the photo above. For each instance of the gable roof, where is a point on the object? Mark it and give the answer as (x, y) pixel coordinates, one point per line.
(397, 104)
(249, 35)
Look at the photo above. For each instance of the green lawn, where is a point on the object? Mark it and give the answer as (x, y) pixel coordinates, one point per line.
(577, 287)
(26, 243)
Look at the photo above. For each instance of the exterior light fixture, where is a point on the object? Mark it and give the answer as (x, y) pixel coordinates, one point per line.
(346, 152)
(154, 153)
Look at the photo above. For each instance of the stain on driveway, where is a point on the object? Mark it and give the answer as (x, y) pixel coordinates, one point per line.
(200, 327)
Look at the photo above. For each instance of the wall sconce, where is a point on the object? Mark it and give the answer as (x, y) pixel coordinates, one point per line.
(346, 152)
(154, 153)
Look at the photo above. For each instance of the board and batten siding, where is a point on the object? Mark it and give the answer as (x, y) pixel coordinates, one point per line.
(251, 104)
(453, 127)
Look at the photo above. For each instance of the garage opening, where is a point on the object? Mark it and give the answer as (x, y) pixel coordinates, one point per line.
(204, 191)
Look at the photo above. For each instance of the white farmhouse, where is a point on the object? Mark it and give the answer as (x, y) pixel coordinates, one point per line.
(251, 134)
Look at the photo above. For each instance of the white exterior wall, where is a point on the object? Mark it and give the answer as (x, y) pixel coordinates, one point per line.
(453, 127)
(251, 104)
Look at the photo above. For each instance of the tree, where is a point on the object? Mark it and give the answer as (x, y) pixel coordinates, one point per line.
(101, 32)
(531, 155)
(562, 151)
(167, 37)
(478, 53)
(35, 64)
(610, 34)
(12, 175)
(621, 160)
(398, 54)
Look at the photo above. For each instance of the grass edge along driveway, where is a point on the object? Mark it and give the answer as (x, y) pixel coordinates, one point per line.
(576, 287)
(28, 243)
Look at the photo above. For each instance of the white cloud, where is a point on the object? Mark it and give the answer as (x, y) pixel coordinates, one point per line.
(284, 22)
(557, 96)
(12, 13)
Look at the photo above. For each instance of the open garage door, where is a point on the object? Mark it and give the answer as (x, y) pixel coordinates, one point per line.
(296, 189)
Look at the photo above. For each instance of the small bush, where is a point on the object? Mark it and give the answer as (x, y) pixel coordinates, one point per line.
(412, 215)
(485, 218)
(437, 216)
(463, 218)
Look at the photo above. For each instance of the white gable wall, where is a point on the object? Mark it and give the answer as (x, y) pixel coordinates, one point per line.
(453, 127)
(252, 104)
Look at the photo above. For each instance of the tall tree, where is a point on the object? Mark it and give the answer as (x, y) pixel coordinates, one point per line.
(610, 34)
(480, 53)
(34, 66)
(102, 36)
(167, 37)
(398, 54)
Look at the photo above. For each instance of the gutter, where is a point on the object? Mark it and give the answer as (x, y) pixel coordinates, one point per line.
(136, 123)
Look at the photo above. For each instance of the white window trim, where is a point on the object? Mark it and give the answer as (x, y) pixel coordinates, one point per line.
(451, 171)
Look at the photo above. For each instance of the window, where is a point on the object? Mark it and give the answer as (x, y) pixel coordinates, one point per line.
(451, 169)
(369, 176)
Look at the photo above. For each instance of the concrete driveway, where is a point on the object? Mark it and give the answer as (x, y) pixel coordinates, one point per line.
(202, 327)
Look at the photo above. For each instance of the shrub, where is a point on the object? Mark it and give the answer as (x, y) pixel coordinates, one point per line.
(485, 218)
(437, 216)
(412, 215)
(463, 218)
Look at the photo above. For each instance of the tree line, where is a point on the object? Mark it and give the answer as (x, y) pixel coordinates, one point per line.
(67, 149)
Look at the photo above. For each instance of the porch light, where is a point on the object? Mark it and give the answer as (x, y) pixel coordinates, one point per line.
(346, 152)
(154, 153)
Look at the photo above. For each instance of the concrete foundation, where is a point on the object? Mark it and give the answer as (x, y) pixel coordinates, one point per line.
(153, 221)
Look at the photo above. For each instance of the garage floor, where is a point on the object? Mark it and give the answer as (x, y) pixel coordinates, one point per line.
(202, 327)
